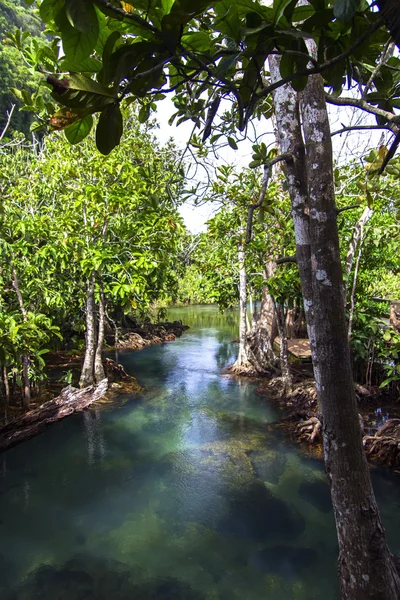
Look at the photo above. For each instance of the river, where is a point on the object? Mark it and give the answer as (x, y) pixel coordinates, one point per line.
(182, 493)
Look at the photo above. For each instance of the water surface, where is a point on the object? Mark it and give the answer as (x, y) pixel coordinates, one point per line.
(184, 492)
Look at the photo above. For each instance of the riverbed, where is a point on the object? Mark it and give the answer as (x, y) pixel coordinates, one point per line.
(184, 492)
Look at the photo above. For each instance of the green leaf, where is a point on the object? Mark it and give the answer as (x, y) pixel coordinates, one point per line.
(82, 15)
(144, 113)
(109, 129)
(89, 65)
(77, 132)
(232, 143)
(344, 10)
(49, 9)
(278, 8)
(77, 45)
(301, 13)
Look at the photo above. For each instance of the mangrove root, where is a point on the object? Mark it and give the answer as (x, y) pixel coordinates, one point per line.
(384, 446)
(310, 430)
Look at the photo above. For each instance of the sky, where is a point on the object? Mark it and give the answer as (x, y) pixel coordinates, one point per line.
(346, 147)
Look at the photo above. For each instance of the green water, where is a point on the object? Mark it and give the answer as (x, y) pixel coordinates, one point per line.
(182, 493)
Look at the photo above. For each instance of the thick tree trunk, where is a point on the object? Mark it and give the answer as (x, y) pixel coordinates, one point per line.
(366, 567)
(261, 337)
(291, 141)
(98, 360)
(87, 374)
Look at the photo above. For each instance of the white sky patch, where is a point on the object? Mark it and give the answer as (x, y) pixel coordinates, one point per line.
(347, 147)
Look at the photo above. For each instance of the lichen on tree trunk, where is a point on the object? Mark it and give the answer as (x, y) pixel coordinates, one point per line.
(366, 567)
(87, 374)
(98, 359)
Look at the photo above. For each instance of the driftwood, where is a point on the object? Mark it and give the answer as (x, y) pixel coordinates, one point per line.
(384, 446)
(32, 423)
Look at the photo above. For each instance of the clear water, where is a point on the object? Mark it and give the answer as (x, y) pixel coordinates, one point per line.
(182, 493)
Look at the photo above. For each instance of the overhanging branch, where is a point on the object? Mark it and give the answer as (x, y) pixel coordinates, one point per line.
(252, 207)
(388, 127)
(319, 69)
(392, 118)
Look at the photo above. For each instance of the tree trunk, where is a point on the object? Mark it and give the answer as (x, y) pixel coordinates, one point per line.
(366, 567)
(353, 289)
(242, 360)
(87, 374)
(6, 387)
(357, 238)
(261, 338)
(283, 347)
(26, 392)
(26, 398)
(291, 141)
(98, 360)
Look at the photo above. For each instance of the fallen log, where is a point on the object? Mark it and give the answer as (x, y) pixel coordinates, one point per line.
(32, 423)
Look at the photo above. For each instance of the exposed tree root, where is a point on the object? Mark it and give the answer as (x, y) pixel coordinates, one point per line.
(245, 369)
(310, 430)
(384, 446)
(150, 334)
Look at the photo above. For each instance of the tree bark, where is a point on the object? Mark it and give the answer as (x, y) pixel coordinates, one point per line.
(291, 141)
(283, 347)
(6, 387)
(357, 238)
(353, 289)
(98, 360)
(26, 392)
(366, 566)
(260, 340)
(242, 360)
(87, 374)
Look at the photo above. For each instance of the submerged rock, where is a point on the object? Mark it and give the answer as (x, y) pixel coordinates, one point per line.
(256, 514)
(317, 493)
(289, 562)
(269, 466)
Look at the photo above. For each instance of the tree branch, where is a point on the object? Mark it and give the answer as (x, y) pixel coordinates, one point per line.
(389, 127)
(388, 53)
(286, 259)
(9, 116)
(130, 16)
(264, 187)
(365, 106)
(319, 69)
(340, 210)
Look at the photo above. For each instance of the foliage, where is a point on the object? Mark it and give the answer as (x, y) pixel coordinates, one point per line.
(109, 54)
(15, 72)
(68, 213)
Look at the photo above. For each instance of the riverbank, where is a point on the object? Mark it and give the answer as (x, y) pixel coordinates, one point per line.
(64, 367)
(379, 414)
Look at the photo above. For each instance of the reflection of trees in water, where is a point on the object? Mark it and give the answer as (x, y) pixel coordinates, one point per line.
(225, 354)
(206, 317)
(96, 446)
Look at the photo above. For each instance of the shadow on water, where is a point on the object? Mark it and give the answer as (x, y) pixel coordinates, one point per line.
(181, 493)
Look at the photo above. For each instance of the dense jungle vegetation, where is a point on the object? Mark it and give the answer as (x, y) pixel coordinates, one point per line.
(90, 235)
